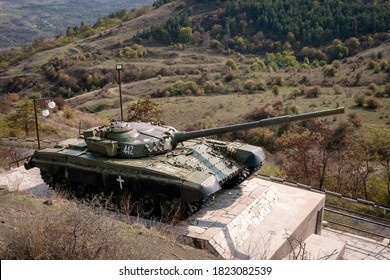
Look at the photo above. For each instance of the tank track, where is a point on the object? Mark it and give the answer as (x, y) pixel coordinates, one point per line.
(145, 205)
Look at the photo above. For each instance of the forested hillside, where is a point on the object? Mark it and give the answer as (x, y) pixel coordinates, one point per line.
(272, 26)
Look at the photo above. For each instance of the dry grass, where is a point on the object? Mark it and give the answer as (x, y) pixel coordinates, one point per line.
(72, 233)
(32, 228)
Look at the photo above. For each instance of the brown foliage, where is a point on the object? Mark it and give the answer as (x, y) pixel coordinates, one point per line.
(145, 111)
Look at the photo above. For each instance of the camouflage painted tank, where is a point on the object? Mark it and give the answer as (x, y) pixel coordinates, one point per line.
(158, 166)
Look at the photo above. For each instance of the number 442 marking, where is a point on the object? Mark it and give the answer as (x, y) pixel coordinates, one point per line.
(128, 150)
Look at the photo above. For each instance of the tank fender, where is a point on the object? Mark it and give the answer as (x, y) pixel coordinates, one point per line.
(199, 186)
(29, 163)
(250, 155)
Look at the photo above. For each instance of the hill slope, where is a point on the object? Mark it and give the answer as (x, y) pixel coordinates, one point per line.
(32, 229)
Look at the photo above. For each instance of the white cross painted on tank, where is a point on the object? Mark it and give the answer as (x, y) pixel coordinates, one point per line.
(120, 180)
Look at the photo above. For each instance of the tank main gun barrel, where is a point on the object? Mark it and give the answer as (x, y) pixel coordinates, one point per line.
(182, 135)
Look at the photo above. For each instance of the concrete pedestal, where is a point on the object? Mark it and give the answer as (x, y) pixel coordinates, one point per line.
(258, 220)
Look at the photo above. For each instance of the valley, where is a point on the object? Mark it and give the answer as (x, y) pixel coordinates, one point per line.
(23, 21)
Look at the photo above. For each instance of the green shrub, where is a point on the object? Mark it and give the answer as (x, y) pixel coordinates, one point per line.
(258, 66)
(275, 90)
(261, 85)
(182, 88)
(185, 35)
(250, 86)
(133, 52)
(232, 64)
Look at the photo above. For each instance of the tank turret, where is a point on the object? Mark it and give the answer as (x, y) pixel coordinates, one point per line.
(157, 166)
(137, 140)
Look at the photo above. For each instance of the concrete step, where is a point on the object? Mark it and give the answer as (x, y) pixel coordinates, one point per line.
(317, 247)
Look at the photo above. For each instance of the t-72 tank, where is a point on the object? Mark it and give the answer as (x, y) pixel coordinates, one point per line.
(156, 165)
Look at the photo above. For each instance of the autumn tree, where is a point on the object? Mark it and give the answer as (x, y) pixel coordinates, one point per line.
(311, 149)
(329, 142)
(374, 148)
(145, 111)
(366, 148)
(185, 35)
(22, 120)
(298, 145)
(5, 104)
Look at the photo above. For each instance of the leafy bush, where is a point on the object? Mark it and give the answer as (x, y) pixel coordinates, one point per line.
(232, 64)
(258, 65)
(250, 86)
(211, 87)
(278, 80)
(261, 85)
(182, 88)
(355, 119)
(261, 136)
(185, 35)
(275, 90)
(229, 77)
(145, 111)
(360, 100)
(372, 64)
(386, 91)
(373, 87)
(68, 113)
(264, 112)
(329, 71)
(314, 92)
(339, 52)
(135, 51)
(282, 60)
(373, 103)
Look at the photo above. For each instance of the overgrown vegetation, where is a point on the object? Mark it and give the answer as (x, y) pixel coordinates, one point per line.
(55, 229)
(75, 233)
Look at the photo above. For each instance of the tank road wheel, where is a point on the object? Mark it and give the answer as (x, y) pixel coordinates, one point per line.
(248, 172)
(47, 178)
(192, 207)
(146, 205)
(245, 173)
